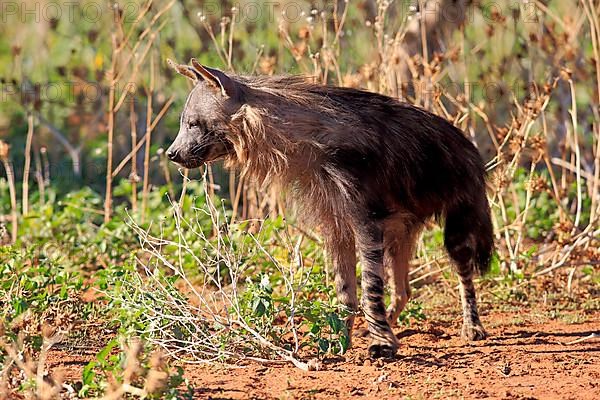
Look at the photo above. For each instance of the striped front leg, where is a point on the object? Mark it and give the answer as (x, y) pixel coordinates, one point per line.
(383, 343)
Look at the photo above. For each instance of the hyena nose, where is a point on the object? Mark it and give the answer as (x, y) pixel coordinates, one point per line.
(172, 154)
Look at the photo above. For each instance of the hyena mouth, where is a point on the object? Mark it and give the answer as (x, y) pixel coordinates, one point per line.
(188, 161)
(200, 156)
(191, 163)
(192, 158)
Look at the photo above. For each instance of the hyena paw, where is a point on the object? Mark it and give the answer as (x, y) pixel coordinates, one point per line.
(379, 349)
(473, 332)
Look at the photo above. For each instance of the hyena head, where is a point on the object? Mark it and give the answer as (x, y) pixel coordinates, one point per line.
(203, 129)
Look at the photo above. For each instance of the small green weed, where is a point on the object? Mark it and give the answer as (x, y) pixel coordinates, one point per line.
(412, 313)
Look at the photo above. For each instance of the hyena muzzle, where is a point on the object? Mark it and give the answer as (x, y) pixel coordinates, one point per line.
(366, 168)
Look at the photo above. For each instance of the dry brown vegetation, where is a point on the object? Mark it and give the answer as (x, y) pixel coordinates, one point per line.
(88, 103)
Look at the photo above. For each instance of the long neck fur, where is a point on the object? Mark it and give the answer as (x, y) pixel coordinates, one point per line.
(281, 135)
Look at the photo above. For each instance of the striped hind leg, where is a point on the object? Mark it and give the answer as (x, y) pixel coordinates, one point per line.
(468, 240)
(472, 328)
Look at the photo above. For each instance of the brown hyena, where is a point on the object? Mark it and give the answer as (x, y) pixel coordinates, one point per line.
(366, 168)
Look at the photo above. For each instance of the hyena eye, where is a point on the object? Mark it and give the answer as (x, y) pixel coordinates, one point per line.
(194, 124)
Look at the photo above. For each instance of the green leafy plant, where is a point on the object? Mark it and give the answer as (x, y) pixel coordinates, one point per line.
(412, 313)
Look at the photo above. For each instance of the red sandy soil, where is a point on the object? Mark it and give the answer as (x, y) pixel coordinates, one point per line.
(527, 356)
(531, 361)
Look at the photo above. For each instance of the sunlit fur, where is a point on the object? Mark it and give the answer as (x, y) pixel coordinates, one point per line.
(369, 171)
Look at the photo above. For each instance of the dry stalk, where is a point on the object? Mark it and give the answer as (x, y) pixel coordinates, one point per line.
(39, 175)
(153, 379)
(133, 176)
(575, 144)
(111, 127)
(46, 387)
(27, 166)
(10, 177)
(523, 222)
(149, 128)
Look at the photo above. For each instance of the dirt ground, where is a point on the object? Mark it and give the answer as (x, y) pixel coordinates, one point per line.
(529, 361)
(529, 355)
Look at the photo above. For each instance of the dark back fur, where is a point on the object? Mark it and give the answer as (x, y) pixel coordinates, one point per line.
(354, 154)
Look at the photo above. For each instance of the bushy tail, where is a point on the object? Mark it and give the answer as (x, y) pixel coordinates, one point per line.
(468, 235)
(484, 243)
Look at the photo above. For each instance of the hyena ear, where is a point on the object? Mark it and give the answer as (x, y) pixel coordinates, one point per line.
(184, 70)
(216, 78)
